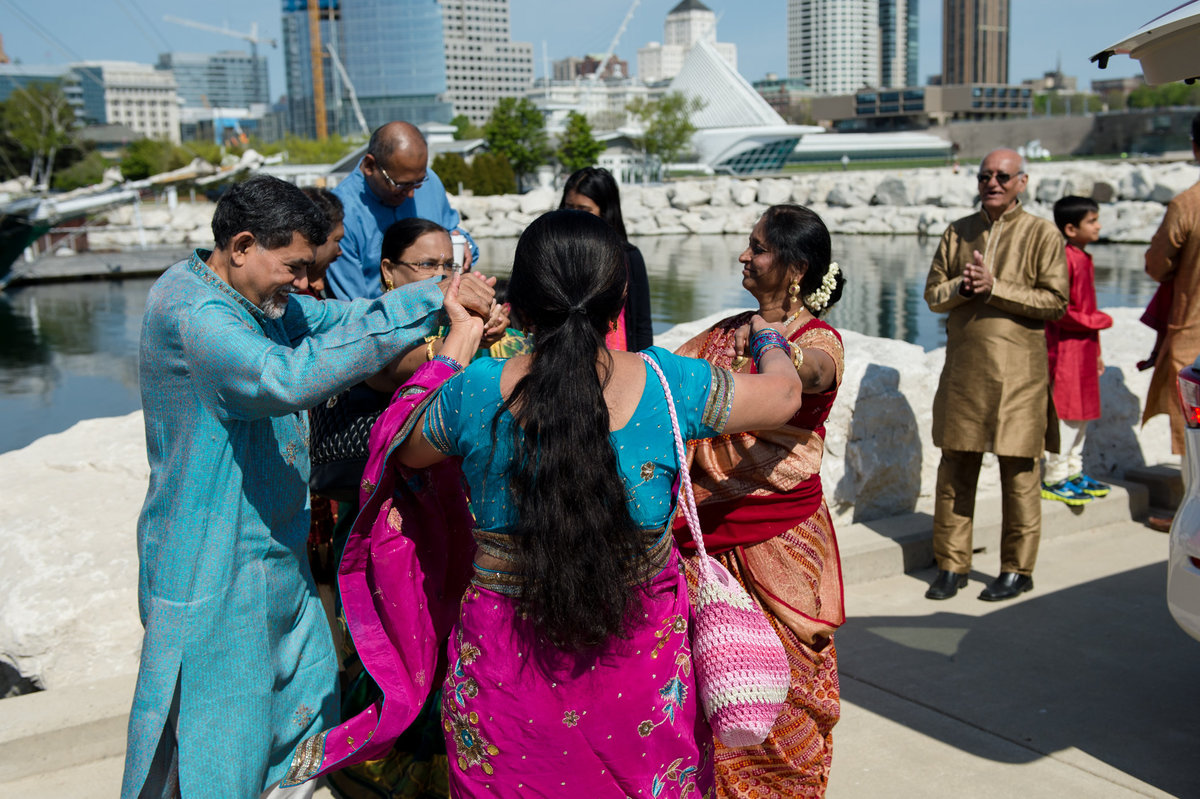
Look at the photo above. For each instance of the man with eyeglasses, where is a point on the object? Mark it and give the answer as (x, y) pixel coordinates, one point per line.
(1000, 274)
(393, 181)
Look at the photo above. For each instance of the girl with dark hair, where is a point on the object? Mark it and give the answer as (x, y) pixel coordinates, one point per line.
(569, 659)
(594, 190)
(762, 507)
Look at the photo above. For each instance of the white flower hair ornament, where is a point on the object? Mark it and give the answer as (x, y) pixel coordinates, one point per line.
(817, 300)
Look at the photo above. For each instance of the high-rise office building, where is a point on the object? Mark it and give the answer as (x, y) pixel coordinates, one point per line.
(228, 79)
(834, 45)
(897, 43)
(687, 23)
(483, 63)
(392, 53)
(974, 41)
(124, 93)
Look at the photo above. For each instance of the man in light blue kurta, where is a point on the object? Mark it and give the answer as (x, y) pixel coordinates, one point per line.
(391, 182)
(237, 661)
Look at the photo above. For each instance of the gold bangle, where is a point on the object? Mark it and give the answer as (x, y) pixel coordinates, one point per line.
(797, 355)
(429, 350)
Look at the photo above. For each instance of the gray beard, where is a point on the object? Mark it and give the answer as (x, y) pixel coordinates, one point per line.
(275, 306)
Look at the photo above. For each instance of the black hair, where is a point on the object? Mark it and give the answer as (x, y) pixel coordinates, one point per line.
(272, 210)
(329, 203)
(403, 234)
(1070, 210)
(598, 185)
(1196, 129)
(577, 543)
(796, 236)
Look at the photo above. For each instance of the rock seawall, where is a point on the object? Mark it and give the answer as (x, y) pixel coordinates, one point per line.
(69, 612)
(912, 201)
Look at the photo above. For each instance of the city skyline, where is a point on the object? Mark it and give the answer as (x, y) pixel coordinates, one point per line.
(62, 31)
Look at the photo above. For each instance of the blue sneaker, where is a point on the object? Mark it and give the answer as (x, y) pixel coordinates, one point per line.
(1065, 492)
(1086, 485)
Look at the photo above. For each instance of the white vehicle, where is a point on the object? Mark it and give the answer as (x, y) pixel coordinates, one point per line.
(1183, 562)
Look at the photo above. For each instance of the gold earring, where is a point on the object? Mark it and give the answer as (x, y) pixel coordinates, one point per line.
(387, 283)
(794, 290)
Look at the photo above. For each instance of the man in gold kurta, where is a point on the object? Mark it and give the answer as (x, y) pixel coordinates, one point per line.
(1174, 254)
(1000, 273)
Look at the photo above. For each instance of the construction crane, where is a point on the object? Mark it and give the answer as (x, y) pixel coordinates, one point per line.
(612, 47)
(251, 37)
(341, 71)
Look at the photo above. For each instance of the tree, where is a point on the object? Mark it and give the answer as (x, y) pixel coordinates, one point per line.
(463, 129)
(453, 170)
(516, 130)
(146, 157)
(491, 173)
(576, 147)
(666, 123)
(38, 120)
(86, 172)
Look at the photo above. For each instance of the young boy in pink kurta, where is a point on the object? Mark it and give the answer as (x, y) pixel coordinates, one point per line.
(1073, 346)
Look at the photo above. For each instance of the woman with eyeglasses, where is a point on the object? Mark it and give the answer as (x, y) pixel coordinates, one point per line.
(419, 249)
(413, 250)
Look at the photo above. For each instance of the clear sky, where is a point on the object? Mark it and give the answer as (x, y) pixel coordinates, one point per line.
(60, 31)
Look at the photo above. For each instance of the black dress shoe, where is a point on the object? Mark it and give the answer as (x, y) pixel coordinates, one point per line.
(945, 585)
(1007, 586)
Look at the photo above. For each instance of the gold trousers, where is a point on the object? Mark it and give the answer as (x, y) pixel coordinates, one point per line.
(954, 511)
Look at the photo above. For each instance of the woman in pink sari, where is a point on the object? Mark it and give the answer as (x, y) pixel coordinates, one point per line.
(568, 668)
(762, 508)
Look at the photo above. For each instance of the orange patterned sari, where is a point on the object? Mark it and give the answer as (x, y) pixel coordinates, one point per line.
(761, 505)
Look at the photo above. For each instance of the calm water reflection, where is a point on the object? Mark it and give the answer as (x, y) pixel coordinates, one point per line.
(69, 351)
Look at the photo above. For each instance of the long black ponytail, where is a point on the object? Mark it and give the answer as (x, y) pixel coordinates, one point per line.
(577, 544)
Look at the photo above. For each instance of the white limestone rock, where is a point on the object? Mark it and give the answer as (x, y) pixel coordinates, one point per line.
(697, 223)
(502, 204)
(68, 613)
(685, 195)
(1135, 185)
(539, 201)
(881, 468)
(1130, 221)
(744, 192)
(655, 197)
(1171, 182)
(892, 191)
(774, 191)
(845, 194)
(720, 197)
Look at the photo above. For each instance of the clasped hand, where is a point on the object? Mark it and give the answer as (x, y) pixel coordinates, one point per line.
(976, 277)
(741, 337)
(472, 296)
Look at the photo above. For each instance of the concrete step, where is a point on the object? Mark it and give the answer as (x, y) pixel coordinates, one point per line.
(1164, 482)
(902, 544)
(48, 731)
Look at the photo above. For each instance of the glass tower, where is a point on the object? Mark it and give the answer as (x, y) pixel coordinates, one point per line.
(392, 52)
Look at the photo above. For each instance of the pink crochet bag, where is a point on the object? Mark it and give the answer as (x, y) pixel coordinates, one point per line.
(742, 672)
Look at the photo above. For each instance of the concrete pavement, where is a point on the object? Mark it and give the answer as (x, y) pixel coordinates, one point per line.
(1083, 687)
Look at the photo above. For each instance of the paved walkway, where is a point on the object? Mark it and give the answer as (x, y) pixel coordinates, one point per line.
(1082, 688)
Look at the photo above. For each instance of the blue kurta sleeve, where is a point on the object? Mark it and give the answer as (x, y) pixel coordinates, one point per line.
(703, 393)
(243, 374)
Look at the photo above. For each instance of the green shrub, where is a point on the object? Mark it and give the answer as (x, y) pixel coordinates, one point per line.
(453, 170)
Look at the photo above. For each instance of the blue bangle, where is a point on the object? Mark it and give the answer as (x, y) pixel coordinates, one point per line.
(758, 355)
(764, 340)
(446, 359)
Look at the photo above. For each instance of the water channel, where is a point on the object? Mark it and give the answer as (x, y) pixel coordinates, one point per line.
(69, 351)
